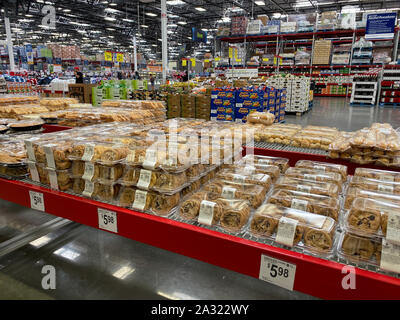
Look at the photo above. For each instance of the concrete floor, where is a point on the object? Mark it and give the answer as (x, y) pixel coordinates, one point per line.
(92, 264)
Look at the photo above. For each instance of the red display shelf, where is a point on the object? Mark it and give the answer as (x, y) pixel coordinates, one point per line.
(54, 128)
(314, 276)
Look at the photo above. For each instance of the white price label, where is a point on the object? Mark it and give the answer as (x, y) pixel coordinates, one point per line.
(320, 168)
(310, 177)
(239, 178)
(303, 188)
(53, 179)
(393, 228)
(140, 200)
(144, 179)
(385, 188)
(29, 150)
(131, 157)
(390, 257)
(50, 157)
(228, 193)
(206, 214)
(89, 188)
(151, 159)
(277, 272)
(88, 153)
(286, 231)
(107, 220)
(89, 171)
(299, 204)
(37, 200)
(34, 172)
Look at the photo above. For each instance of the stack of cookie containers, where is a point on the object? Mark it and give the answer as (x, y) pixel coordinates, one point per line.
(371, 223)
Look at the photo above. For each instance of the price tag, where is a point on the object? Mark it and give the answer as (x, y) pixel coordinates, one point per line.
(390, 257)
(29, 150)
(144, 179)
(107, 220)
(277, 272)
(53, 179)
(299, 204)
(89, 188)
(228, 193)
(238, 178)
(37, 200)
(310, 177)
(385, 188)
(88, 153)
(393, 228)
(131, 157)
(89, 171)
(286, 231)
(206, 214)
(140, 200)
(33, 170)
(264, 161)
(303, 188)
(150, 159)
(49, 157)
(388, 178)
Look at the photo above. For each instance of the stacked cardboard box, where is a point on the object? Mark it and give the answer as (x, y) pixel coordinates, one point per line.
(247, 101)
(203, 106)
(322, 51)
(188, 106)
(239, 25)
(173, 106)
(223, 104)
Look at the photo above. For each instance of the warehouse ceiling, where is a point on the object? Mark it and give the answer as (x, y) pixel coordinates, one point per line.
(97, 25)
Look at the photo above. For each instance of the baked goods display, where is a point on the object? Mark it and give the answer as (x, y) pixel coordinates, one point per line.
(265, 169)
(18, 111)
(235, 214)
(313, 140)
(355, 192)
(381, 175)
(359, 249)
(200, 202)
(322, 205)
(282, 163)
(55, 104)
(375, 185)
(264, 118)
(12, 159)
(6, 100)
(323, 167)
(239, 175)
(291, 227)
(273, 134)
(319, 188)
(315, 175)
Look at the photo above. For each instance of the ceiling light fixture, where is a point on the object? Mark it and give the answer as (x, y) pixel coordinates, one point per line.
(259, 3)
(151, 14)
(200, 9)
(144, 26)
(182, 22)
(175, 2)
(109, 18)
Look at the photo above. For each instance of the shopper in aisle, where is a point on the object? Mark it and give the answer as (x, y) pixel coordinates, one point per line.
(136, 76)
(152, 81)
(78, 77)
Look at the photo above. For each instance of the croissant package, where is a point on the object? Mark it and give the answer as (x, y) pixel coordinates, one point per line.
(323, 167)
(291, 227)
(319, 188)
(282, 163)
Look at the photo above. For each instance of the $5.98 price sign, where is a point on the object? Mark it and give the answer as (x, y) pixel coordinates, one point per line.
(107, 220)
(278, 272)
(37, 200)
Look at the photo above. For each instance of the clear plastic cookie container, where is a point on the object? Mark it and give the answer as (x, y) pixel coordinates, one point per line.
(164, 204)
(254, 194)
(354, 192)
(235, 214)
(56, 179)
(191, 188)
(369, 217)
(108, 174)
(170, 183)
(295, 228)
(195, 171)
(282, 163)
(105, 192)
(323, 189)
(382, 175)
(239, 176)
(85, 170)
(323, 167)
(131, 197)
(103, 153)
(375, 185)
(271, 170)
(57, 154)
(315, 175)
(313, 203)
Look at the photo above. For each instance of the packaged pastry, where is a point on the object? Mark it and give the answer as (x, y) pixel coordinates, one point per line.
(146, 179)
(57, 153)
(192, 187)
(235, 214)
(276, 135)
(375, 185)
(37, 172)
(104, 153)
(58, 179)
(130, 197)
(265, 118)
(130, 176)
(324, 167)
(313, 203)
(78, 185)
(358, 249)
(13, 159)
(314, 175)
(282, 163)
(369, 217)
(195, 171)
(355, 192)
(361, 159)
(85, 170)
(364, 138)
(293, 227)
(382, 175)
(308, 140)
(200, 202)
(110, 173)
(323, 189)
(271, 170)
(106, 192)
(167, 182)
(239, 176)
(386, 137)
(230, 190)
(163, 204)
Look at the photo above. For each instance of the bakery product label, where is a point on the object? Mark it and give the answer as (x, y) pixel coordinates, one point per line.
(277, 272)
(320, 168)
(239, 178)
(390, 257)
(33, 171)
(388, 178)
(303, 188)
(144, 178)
(299, 204)
(206, 214)
(249, 170)
(131, 156)
(88, 153)
(393, 227)
(29, 150)
(53, 179)
(264, 161)
(310, 177)
(140, 200)
(150, 159)
(49, 157)
(385, 188)
(286, 231)
(89, 171)
(265, 178)
(228, 193)
(89, 188)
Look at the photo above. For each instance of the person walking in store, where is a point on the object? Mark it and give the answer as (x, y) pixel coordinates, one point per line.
(152, 80)
(136, 76)
(78, 77)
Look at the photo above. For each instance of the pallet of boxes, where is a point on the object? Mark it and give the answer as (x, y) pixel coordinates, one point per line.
(203, 106)
(173, 105)
(188, 105)
(300, 95)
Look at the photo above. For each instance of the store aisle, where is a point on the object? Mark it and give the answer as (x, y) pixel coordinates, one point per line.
(337, 112)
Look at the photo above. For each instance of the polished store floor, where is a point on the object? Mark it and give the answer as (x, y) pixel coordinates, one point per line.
(92, 264)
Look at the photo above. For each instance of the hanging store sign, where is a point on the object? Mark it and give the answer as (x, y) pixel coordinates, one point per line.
(380, 26)
(199, 35)
(120, 57)
(241, 73)
(108, 56)
(154, 68)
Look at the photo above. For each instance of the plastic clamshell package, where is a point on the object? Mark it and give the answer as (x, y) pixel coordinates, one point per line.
(282, 163)
(315, 175)
(239, 176)
(323, 166)
(382, 175)
(375, 185)
(323, 189)
(314, 233)
(354, 192)
(266, 169)
(104, 153)
(133, 198)
(313, 203)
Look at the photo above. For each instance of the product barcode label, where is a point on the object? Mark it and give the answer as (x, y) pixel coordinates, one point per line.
(144, 179)
(299, 204)
(37, 200)
(29, 150)
(150, 159)
(390, 257)
(50, 157)
(89, 188)
(53, 179)
(286, 231)
(388, 178)
(310, 177)
(239, 178)
(319, 168)
(206, 214)
(140, 200)
(393, 228)
(303, 188)
(228, 193)
(131, 156)
(89, 171)
(385, 188)
(33, 171)
(88, 153)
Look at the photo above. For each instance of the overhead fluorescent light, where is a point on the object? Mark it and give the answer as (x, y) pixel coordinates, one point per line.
(175, 2)
(67, 10)
(200, 9)
(154, 45)
(111, 10)
(173, 16)
(111, 29)
(128, 20)
(182, 22)
(276, 15)
(151, 14)
(259, 3)
(144, 26)
(112, 4)
(109, 18)
(29, 15)
(205, 30)
(172, 25)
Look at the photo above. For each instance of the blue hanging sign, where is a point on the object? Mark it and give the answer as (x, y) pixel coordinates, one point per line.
(380, 25)
(199, 35)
